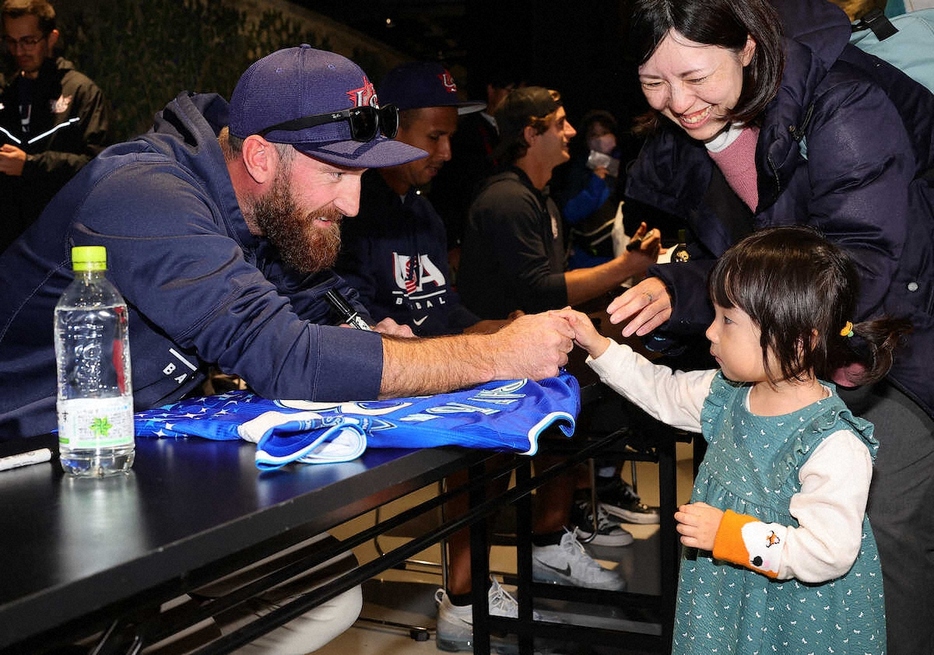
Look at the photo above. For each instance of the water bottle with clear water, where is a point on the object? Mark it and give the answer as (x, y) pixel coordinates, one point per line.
(95, 396)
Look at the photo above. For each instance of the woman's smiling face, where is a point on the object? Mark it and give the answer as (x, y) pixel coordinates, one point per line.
(694, 85)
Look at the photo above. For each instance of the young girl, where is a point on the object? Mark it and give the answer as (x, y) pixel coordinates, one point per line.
(779, 555)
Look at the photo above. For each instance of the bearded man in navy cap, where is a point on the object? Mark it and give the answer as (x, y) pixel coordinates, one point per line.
(221, 225)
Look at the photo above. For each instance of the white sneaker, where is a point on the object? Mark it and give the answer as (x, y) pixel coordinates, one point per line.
(455, 622)
(569, 563)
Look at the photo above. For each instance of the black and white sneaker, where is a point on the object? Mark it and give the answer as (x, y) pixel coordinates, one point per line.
(619, 499)
(607, 533)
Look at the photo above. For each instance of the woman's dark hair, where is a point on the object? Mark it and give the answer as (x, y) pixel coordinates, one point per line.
(801, 291)
(723, 23)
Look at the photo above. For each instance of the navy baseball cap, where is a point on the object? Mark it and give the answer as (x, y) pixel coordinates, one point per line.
(423, 84)
(319, 87)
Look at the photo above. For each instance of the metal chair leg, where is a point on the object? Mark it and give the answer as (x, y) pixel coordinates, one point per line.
(416, 632)
(591, 470)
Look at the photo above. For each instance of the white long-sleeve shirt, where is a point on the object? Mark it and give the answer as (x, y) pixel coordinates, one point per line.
(834, 481)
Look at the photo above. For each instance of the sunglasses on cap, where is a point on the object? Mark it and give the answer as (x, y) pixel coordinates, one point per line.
(365, 122)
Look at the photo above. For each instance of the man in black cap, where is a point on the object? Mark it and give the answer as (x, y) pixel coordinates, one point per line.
(513, 253)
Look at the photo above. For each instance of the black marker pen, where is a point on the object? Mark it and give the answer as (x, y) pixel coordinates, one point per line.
(636, 242)
(349, 314)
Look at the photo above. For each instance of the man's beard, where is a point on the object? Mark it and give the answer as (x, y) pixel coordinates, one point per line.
(305, 245)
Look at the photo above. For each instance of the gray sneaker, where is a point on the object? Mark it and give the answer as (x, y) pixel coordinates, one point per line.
(455, 622)
(568, 563)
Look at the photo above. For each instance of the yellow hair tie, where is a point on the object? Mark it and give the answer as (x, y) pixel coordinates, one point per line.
(847, 330)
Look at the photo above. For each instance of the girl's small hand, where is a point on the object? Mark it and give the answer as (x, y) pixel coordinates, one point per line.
(585, 334)
(698, 524)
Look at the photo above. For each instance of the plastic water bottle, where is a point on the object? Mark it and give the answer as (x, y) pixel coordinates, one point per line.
(92, 351)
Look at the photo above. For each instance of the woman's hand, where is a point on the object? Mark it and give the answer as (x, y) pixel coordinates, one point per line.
(646, 306)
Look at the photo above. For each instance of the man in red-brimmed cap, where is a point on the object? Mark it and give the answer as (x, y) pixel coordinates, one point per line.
(394, 253)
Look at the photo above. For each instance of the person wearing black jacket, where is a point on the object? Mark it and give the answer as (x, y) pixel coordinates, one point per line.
(513, 254)
(53, 119)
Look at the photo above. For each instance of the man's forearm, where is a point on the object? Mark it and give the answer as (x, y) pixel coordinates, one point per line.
(531, 346)
(414, 367)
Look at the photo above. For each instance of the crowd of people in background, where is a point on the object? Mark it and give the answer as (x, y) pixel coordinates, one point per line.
(481, 222)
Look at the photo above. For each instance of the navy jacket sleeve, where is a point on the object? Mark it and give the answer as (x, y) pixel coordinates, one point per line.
(191, 280)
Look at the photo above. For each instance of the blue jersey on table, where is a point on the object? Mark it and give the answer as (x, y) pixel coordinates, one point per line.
(503, 415)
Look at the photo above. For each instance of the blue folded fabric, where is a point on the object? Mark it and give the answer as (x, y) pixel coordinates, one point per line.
(504, 415)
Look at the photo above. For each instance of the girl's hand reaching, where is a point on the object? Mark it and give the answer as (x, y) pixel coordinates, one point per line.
(585, 334)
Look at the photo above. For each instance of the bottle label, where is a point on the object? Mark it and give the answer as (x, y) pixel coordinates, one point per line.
(95, 422)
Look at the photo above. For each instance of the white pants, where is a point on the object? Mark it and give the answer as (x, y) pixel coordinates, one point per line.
(306, 633)
(303, 634)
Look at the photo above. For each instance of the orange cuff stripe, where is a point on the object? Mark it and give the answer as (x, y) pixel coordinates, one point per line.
(728, 544)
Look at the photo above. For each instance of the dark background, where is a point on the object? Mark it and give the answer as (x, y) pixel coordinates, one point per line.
(575, 47)
(143, 52)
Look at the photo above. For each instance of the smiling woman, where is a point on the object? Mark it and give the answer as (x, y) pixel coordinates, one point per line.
(694, 86)
(759, 116)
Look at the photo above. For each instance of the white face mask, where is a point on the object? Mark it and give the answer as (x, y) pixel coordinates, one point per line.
(604, 143)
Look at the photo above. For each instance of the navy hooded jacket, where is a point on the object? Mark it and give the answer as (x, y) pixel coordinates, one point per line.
(394, 253)
(847, 146)
(201, 290)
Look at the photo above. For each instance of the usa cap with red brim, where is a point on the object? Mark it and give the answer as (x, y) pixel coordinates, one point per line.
(420, 84)
(297, 82)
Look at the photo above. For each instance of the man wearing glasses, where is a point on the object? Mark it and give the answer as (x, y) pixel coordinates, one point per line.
(53, 119)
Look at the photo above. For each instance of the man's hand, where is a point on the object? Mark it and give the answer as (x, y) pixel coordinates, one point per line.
(646, 305)
(698, 524)
(12, 160)
(489, 326)
(390, 328)
(532, 346)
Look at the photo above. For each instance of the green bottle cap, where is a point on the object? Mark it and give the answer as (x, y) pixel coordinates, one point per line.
(89, 258)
